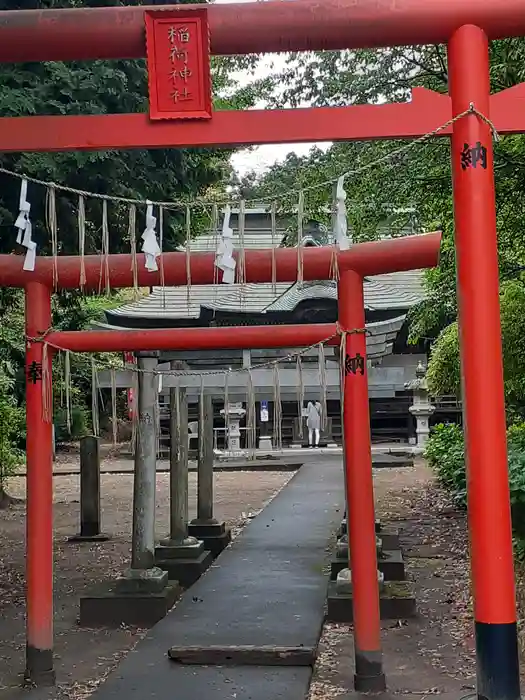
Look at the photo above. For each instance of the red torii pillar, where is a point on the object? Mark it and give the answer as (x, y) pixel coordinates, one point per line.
(359, 484)
(490, 529)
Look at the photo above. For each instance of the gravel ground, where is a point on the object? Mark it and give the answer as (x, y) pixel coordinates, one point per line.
(433, 654)
(85, 656)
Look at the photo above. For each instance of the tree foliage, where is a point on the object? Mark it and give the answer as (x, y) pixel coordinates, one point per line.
(11, 427)
(419, 180)
(444, 375)
(166, 174)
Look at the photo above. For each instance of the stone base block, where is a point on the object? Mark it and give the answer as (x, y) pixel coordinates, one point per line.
(389, 536)
(101, 537)
(190, 548)
(216, 536)
(390, 564)
(105, 607)
(390, 539)
(185, 571)
(265, 443)
(396, 602)
(343, 528)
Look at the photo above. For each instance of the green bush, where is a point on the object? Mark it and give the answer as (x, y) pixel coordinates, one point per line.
(516, 437)
(445, 453)
(79, 424)
(11, 426)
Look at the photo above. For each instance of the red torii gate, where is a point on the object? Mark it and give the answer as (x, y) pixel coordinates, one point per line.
(466, 26)
(362, 259)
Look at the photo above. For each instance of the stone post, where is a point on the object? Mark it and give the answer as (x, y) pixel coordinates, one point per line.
(182, 556)
(142, 595)
(205, 463)
(89, 492)
(143, 572)
(205, 526)
(178, 466)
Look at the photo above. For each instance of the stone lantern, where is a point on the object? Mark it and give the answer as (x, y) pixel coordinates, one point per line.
(421, 407)
(233, 413)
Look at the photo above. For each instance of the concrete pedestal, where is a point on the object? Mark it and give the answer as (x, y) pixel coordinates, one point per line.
(184, 563)
(343, 530)
(396, 602)
(216, 536)
(344, 526)
(265, 443)
(141, 597)
(341, 547)
(390, 564)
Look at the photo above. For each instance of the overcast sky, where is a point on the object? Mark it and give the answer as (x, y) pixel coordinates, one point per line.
(262, 157)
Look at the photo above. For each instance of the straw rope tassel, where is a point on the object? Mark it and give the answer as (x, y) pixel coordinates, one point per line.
(104, 271)
(132, 235)
(273, 215)
(82, 240)
(342, 359)
(188, 256)
(300, 218)
(322, 384)
(67, 385)
(251, 417)
(334, 259)
(134, 412)
(161, 256)
(241, 269)
(114, 425)
(300, 393)
(201, 419)
(47, 387)
(52, 225)
(226, 404)
(277, 409)
(62, 382)
(156, 411)
(215, 230)
(94, 399)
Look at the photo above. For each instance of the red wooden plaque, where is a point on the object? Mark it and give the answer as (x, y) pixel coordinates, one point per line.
(178, 51)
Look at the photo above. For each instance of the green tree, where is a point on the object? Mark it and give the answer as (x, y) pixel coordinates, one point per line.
(419, 180)
(96, 87)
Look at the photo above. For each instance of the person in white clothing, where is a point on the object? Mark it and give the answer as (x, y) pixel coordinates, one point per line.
(313, 422)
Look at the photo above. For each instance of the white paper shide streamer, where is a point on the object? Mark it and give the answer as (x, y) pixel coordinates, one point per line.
(341, 225)
(150, 245)
(25, 229)
(224, 259)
